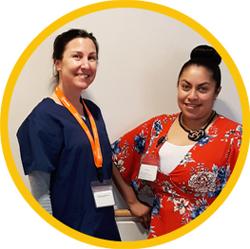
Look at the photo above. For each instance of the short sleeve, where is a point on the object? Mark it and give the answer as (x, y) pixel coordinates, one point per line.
(128, 150)
(40, 141)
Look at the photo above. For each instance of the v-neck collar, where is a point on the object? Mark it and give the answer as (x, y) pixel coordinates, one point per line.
(195, 145)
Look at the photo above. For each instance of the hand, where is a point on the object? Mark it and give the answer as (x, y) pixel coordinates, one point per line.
(143, 212)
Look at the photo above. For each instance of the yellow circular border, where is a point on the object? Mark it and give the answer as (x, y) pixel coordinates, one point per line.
(85, 11)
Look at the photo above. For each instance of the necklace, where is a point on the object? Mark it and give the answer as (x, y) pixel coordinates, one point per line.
(196, 135)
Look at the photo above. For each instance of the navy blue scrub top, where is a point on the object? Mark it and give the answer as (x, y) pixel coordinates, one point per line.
(51, 140)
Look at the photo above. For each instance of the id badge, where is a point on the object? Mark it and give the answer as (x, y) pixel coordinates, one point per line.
(148, 172)
(103, 193)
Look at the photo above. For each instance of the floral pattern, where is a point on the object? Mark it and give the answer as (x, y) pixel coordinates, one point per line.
(193, 185)
(140, 143)
(156, 206)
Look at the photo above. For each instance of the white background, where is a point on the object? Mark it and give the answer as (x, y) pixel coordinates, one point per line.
(21, 21)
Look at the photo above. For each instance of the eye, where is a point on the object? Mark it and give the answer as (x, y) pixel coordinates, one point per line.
(76, 56)
(92, 58)
(185, 87)
(202, 89)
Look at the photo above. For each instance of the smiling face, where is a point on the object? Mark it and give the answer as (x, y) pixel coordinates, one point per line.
(77, 68)
(196, 93)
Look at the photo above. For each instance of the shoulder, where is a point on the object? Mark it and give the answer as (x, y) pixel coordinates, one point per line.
(228, 128)
(165, 118)
(44, 116)
(45, 108)
(159, 122)
(227, 123)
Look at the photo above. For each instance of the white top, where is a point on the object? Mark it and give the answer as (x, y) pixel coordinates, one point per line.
(171, 156)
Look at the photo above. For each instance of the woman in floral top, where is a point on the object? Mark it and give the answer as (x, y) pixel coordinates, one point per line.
(182, 160)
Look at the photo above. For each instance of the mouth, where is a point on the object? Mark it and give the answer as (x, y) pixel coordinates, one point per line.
(84, 76)
(191, 106)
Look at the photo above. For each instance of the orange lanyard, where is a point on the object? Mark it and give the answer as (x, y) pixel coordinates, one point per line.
(95, 143)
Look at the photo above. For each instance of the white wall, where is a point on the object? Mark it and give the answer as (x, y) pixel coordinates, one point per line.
(141, 53)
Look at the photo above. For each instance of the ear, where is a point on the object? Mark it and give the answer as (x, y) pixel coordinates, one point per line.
(58, 65)
(217, 92)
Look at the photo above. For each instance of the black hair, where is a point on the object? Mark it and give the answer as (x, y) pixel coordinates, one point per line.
(206, 56)
(63, 39)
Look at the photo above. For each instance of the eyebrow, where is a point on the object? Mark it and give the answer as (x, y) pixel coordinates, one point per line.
(80, 52)
(201, 84)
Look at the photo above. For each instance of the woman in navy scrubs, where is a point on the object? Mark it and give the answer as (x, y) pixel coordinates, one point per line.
(64, 143)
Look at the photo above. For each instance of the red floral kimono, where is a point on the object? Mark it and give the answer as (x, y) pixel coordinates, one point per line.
(192, 186)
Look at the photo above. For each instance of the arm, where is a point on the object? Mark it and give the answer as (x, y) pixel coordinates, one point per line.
(136, 207)
(40, 140)
(127, 153)
(40, 182)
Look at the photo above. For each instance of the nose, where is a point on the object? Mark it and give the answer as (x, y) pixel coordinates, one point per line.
(192, 95)
(85, 63)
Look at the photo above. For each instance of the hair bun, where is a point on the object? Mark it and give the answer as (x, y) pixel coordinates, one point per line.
(205, 54)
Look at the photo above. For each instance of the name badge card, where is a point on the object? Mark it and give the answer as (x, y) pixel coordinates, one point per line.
(103, 193)
(148, 172)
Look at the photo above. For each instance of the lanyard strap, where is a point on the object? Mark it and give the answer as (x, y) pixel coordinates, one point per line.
(95, 143)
